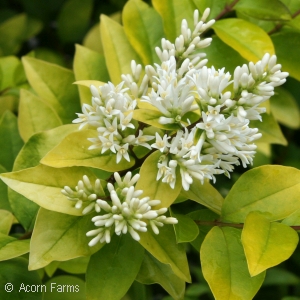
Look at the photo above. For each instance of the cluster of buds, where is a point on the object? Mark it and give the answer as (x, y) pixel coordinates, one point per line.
(124, 211)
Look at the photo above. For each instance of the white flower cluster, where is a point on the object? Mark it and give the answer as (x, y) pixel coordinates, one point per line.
(84, 195)
(127, 212)
(111, 114)
(210, 110)
(123, 212)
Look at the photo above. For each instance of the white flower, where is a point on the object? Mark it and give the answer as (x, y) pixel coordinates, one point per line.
(122, 151)
(127, 213)
(141, 140)
(125, 121)
(85, 194)
(161, 143)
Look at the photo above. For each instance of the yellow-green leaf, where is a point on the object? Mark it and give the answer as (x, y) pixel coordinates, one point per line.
(205, 194)
(271, 132)
(144, 29)
(225, 268)
(6, 220)
(249, 40)
(89, 65)
(156, 189)
(153, 271)
(118, 51)
(11, 247)
(73, 151)
(266, 243)
(172, 13)
(43, 184)
(59, 237)
(53, 84)
(272, 190)
(165, 249)
(32, 112)
(151, 117)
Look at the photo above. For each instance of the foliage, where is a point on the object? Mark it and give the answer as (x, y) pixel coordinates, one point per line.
(132, 193)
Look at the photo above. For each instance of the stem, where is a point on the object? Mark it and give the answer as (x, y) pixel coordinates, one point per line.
(279, 26)
(25, 236)
(235, 225)
(227, 9)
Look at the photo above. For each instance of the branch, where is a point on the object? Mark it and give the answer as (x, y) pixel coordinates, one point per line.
(279, 26)
(227, 9)
(25, 236)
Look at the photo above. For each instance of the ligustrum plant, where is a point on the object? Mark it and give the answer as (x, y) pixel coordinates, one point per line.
(121, 191)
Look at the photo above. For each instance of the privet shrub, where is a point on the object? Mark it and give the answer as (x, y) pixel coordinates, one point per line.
(124, 192)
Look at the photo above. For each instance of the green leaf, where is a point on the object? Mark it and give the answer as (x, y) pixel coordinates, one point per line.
(15, 271)
(200, 217)
(165, 249)
(118, 51)
(144, 29)
(32, 112)
(285, 108)
(40, 144)
(11, 34)
(224, 265)
(64, 287)
(8, 102)
(157, 189)
(112, 270)
(272, 190)
(249, 40)
(266, 244)
(59, 237)
(11, 247)
(10, 140)
(261, 9)
(54, 85)
(220, 55)
(151, 117)
(6, 220)
(215, 6)
(73, 20)
(172, 13)
(186, 230)
(288, 39)
(271, 132)
(89, 65)
(153, 271)
(4, 202)
(75, 266)
(278, 276)
(43, 184)
(8, 66)
(205, 194)
(73, 151)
